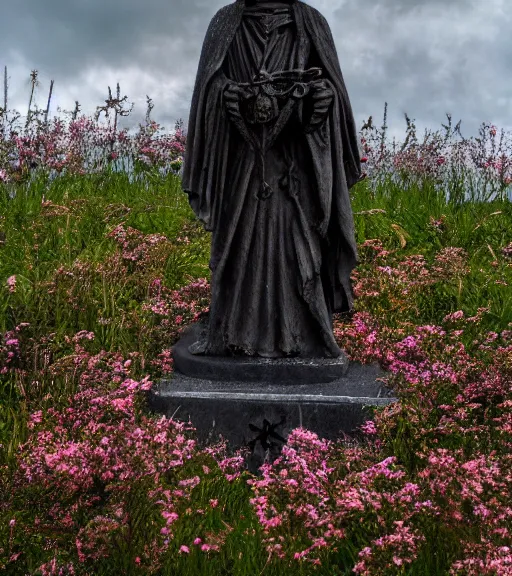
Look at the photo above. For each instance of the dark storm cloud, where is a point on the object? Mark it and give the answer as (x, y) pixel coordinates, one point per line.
(425, 59)
(72, 34)
(428, 59)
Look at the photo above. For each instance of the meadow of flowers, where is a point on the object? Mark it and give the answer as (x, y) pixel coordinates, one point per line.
(102, 264)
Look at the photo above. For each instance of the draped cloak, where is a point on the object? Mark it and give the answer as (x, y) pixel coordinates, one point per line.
(280, 266)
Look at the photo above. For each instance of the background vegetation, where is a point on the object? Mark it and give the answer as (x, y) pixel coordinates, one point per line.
(102, 263)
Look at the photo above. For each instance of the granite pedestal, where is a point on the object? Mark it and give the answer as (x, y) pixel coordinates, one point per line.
(256, 402)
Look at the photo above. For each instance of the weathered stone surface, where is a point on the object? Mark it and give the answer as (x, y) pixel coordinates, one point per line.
(253, 368)
(260, 415)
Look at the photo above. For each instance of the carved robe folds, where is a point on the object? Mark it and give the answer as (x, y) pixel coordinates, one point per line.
(271, 153)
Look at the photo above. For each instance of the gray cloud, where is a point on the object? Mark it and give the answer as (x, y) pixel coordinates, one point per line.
(424, 59)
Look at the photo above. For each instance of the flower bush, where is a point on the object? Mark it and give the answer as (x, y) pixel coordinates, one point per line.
(99, 275)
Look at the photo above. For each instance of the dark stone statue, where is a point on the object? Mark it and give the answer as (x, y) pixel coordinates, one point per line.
(272, 151)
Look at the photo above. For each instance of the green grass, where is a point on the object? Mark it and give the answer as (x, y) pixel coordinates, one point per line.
(482, 229)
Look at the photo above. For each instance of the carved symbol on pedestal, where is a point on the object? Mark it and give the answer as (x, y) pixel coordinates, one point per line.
(266, 435)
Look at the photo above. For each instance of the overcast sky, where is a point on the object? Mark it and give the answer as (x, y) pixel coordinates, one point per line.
(425, 58)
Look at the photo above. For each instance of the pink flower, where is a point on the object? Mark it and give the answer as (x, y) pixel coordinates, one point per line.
(192, 482)
(453, 317)
(369, 427)
(11, 283)
(184, 550)
(170, 517)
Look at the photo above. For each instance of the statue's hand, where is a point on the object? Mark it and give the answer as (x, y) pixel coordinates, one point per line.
(233, 95)
(231, 99)
(322, 95)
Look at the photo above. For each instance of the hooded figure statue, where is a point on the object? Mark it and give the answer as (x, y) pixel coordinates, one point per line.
(272, 151)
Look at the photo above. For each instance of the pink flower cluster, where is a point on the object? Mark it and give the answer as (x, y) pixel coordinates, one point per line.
(482, 165)
(135, 245)
(11, 354)
(84, 145)
(440, 457)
